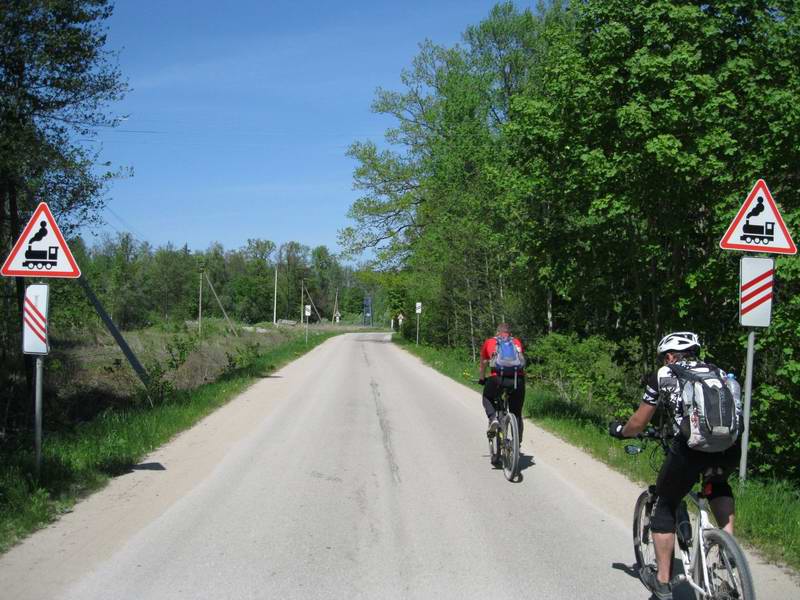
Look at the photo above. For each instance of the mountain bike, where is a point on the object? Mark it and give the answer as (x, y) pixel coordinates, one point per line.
(504, 444)
(714, 565)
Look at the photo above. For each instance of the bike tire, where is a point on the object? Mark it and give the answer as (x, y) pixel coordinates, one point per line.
(643, 547)
(510, 450)
(728, 570)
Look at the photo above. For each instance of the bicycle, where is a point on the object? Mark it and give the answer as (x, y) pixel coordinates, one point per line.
(504, 444)
(718, 572)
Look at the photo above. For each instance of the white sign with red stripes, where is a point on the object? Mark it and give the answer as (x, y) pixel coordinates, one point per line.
(34, 320)
(755, 291)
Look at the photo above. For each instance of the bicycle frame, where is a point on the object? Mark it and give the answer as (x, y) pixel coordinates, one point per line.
(690, 559)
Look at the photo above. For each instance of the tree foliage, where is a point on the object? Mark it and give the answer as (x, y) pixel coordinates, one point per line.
(572, 169)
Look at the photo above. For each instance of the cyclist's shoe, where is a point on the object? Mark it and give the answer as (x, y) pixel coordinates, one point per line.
(662, 591)
(494, 427)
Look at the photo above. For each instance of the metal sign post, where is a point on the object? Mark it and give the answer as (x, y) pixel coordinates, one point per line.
(419, 310)
(748, 390)
(307, 313)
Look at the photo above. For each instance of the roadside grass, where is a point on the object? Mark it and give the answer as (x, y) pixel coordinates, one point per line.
(767, 512)
(79, 461)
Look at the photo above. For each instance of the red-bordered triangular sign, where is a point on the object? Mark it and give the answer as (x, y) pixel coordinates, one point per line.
(41, 250)
(758, 226)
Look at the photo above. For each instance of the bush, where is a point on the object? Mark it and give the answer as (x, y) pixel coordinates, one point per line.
(583, 374)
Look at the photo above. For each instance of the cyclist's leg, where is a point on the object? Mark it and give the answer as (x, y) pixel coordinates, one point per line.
(516, 398)
(491, 390)
(719, 492)
(676, 477)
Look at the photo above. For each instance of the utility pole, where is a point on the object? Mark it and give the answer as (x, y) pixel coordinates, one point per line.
(200, 307)
(275, 294)
(302, 298)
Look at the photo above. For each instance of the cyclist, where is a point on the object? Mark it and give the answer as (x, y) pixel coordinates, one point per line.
(682, 466)
(512, 379)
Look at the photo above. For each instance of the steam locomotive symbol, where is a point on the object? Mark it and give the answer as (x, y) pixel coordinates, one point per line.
(758, 234)
(40, 259)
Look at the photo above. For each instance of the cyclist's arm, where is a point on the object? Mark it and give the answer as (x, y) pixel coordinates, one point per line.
(639, 419)
(485, 356)
(482, 368)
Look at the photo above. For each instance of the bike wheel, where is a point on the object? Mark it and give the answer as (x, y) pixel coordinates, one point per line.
(643, 546)
(729, 575)
(510, 449)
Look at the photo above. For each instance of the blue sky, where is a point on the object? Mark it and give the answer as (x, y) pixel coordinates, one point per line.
(241, 112)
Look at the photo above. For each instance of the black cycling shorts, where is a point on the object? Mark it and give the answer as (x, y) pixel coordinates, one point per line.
(682, 468)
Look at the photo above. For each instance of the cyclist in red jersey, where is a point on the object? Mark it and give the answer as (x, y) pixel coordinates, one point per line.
(513, 381)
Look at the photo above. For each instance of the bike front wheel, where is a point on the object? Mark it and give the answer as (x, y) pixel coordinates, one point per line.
(643, 546)
(728, 572)
(510, 446)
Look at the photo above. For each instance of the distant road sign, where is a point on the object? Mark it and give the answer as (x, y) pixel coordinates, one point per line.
(419, 307)
(34, 320)
(41, 250)
(308, 310)
(758, 226)
(755, 291)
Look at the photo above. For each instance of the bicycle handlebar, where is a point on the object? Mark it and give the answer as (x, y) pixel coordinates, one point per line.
(651, 433)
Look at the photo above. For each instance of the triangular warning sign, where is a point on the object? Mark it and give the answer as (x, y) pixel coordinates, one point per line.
(758, 226)
(41, 250)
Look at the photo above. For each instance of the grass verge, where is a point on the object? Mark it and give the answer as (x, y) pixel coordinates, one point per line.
(81, 461)
(767, 512)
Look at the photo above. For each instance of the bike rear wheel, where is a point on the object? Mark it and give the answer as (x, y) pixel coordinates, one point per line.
(510, 446)
(643, 546)
(728, 571)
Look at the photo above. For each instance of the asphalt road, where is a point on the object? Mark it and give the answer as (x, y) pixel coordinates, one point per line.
(355, 472)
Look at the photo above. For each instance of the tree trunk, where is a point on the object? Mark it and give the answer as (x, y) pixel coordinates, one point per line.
(502, 300)
(14, 231)
(489, 290)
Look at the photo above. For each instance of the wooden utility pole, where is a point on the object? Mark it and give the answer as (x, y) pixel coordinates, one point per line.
(200, 307)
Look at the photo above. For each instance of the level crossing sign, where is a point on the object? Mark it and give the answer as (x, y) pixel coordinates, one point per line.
(41, 250)
(758, 226)
(755, 291)
(34, 320)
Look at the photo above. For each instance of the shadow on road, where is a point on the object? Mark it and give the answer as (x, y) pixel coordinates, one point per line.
(151, 466)
(525, 461)
(632, 570)
(682, 591)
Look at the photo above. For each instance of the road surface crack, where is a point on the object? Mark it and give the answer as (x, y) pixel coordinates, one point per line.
(386, 431)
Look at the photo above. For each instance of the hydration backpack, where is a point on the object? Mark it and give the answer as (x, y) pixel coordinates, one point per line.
(507, 360)
(711, 413)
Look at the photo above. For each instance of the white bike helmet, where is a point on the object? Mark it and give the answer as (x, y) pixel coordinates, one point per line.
(679, 341)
